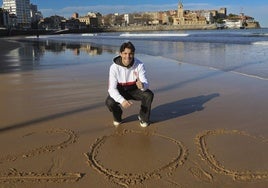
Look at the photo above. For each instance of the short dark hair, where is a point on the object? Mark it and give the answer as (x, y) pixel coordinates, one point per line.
(128, 45)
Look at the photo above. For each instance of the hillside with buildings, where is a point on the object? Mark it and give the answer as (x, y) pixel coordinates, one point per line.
(181, 19)
(25, 16)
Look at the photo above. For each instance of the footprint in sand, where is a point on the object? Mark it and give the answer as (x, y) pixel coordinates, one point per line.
(201, 174)
(131, 157)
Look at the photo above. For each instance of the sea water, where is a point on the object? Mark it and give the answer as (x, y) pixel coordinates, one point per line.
(243, 51)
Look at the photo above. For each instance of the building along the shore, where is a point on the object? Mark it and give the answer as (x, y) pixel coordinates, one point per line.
(20, 9)
(188, 17)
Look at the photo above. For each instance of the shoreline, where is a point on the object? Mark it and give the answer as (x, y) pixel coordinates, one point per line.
(6, 33)
(7, 45)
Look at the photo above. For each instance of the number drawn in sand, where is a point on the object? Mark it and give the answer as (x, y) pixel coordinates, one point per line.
(218, 167)
(71, 138)
(14, 176)
(23, 177)
(127, 177)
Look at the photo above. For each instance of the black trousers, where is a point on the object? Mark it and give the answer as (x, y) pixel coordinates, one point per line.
(146, 98)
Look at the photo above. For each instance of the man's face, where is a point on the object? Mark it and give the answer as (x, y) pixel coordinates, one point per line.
(127, 56)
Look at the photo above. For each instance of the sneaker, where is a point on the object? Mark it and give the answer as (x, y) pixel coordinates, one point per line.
(143, 123)
(116, 123)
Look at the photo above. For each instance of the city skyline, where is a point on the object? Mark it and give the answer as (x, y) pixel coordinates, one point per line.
(66, 8)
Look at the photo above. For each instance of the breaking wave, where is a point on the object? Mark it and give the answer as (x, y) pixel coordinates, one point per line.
(264, 43)
(154, 35)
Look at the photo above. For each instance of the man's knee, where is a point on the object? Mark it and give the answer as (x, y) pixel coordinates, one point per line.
(110, 102)
(149, 95)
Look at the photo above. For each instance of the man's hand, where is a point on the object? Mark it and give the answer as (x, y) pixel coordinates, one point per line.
(139, 84)
(126, 104)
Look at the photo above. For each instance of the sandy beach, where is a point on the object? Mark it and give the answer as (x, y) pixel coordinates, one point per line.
(209, 128)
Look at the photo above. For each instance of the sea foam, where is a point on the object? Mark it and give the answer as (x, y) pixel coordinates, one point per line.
(264, 43)
(154, 35)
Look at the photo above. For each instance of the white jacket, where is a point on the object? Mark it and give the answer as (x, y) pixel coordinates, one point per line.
(120, 75)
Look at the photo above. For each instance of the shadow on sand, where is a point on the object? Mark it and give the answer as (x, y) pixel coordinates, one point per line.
(160, 113)
(177, 108)
(50, 117)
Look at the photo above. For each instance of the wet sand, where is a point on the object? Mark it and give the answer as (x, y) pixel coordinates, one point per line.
(209, 129)
(6, 45)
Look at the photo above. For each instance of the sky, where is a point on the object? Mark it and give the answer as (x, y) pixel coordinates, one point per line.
(254, 8)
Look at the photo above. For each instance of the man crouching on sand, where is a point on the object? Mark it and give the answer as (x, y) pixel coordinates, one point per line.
(127, 81)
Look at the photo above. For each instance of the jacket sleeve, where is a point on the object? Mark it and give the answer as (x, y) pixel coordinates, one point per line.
(112, 87)
(142, 76)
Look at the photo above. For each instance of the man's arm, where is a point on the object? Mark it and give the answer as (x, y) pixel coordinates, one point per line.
(112, 88)
(142, 82)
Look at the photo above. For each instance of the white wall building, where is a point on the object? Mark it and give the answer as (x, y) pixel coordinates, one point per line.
(233, 24)
(208, 16)
(128, 19)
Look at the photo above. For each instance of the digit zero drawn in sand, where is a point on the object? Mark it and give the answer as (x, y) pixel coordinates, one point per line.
(14, 176)
(131, 178)
(214, 164)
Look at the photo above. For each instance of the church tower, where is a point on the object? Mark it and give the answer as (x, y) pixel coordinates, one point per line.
(180, 15)
(180, 10)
